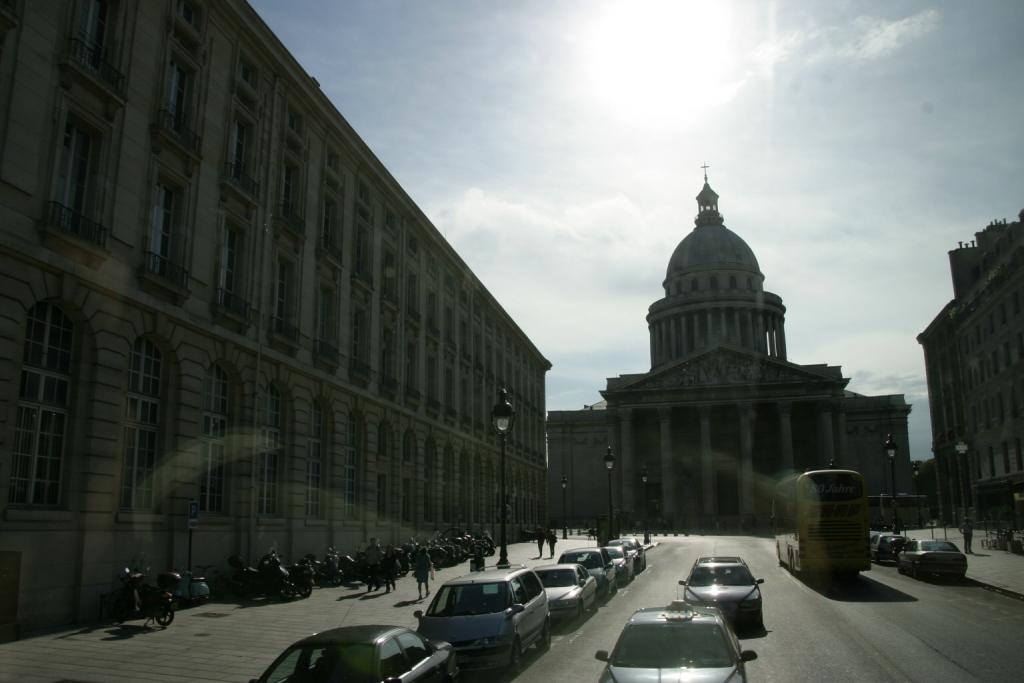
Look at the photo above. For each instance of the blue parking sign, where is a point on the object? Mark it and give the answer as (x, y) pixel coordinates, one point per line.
(193, 514)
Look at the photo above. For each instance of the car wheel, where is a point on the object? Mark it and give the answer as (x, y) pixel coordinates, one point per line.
(544, 644)
(579, 611)
(913, 570)
(515, 656)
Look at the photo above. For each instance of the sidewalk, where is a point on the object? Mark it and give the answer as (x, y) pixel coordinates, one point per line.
(998, 569)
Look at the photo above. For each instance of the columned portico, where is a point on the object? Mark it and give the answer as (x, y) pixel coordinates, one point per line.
(707, 465)
(669, 484)
(746, 469)
(786, 434)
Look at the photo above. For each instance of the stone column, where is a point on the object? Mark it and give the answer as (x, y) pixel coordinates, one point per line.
(826, 441)
(842, 457)
(670, 494)
(708, 328)
(786, 433)
(751, 336)
(670, 348)
(772, 350)
(759, 332)
(782, 338)
(737, 328)
(629, 471)
(707, 466)
(683, 350)
(745, 490)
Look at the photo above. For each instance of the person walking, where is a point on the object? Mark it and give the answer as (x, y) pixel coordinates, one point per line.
(372, 556)
(968, 531)
(389, 567)
(540, 542)
(423, 571)
(552, 539)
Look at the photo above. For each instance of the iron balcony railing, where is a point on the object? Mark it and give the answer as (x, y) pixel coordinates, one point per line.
(235, 172)
(91, 58)
(73, 223)
(163, 267)
(174, 125)
(289, 214)
(325, 350)
(282, 328)
(233, 303)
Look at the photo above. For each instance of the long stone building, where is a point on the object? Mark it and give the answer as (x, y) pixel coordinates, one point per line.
(723, 413)
(212, 291)
(973, 350)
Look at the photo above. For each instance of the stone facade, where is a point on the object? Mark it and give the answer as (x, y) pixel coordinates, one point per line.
(973, 351)
(211, 290)
(722, 415)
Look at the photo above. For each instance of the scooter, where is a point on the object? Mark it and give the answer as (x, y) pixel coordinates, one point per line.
(269, 579)
(193, 590)
(137, 600)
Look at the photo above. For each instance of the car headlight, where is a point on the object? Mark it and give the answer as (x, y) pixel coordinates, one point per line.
(489, 641)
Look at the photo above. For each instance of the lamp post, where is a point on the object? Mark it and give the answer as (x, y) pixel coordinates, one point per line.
(502, 417)
(647, 509)
(890, 450)
(961, 467)
(609, 464)
(915, 468)
(565, 524)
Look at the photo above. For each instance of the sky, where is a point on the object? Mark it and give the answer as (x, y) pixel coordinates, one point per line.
(557, 146)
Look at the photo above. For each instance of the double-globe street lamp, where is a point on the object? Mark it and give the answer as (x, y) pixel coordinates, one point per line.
(609, 464)
(565, 524)
(502, 417)
(890, 450)
(647, 508)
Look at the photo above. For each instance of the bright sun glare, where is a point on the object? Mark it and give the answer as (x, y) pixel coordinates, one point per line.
(652, 60)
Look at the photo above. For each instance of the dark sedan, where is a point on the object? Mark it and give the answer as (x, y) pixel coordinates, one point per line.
(940, 558)
(363, 654)
(726, 583)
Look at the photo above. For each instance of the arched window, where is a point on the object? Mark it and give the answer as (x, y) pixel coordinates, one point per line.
(270, 453)
(315, 460)
(212, 440)
(141, 427)
(39, 432)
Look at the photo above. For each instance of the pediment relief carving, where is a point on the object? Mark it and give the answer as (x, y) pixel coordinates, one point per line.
(724, 369)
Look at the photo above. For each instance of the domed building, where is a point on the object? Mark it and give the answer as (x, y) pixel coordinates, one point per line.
(722, 414)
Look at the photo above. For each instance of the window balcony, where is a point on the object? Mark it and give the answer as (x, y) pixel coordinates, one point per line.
(90, 60)
(74, 235)
(162, 276)
(289, 216)
(229, 303)
(412, 396)
(327, 247)
(362, 277)
(412, 314)
(171, 126)
(433, 406)
(390, 296)
(283, 330)
(359, 371)
(388, 384)
(326, 352)
(235, 177)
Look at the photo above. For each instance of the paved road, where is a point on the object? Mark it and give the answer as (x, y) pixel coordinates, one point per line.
(886, 627)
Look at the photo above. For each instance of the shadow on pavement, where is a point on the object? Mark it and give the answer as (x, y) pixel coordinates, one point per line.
(863, 589)
(124, 631)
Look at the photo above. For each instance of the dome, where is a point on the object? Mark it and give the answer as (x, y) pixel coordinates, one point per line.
(712, 247)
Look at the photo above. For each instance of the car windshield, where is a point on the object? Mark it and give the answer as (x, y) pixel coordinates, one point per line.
(937, 545)
(672, 646)
(616, 553)
(557, 578)
(465, 599)
(588, 560)
(348, 662)
(733, 575)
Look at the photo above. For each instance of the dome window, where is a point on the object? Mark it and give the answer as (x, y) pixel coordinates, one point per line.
(732, 282)
(714, 283)
(694, 285)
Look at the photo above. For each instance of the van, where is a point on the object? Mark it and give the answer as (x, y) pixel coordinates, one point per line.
(490, 617)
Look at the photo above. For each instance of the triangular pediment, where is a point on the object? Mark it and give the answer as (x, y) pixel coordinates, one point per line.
(724, 367)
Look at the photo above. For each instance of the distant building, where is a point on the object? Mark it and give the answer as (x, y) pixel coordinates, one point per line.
(722, 414)
(973, 352)
(211, 290)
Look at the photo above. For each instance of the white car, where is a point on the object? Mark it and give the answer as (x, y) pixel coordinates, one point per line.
(623, 565)
(570, 587)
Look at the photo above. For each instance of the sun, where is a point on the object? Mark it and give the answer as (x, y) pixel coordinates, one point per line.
(648, 60)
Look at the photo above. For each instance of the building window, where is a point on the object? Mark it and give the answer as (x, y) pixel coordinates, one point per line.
(283, 293)
(410, 365)
(991, 463)
(382, 496)
(93, 25)
(362, 263)
(38, 454)
(164, 230)
(387, 354)
(229, 279)
(179, 93)
(406, 499)
(351, 470)
(360, 335)
(329, 237)
(314, 460)
(1020, 455)
(212, 440)
(325, 315)
(694, 285)
(267, 466)
(75, 173)
(141, 427)
(1006, 458)
(428, 482)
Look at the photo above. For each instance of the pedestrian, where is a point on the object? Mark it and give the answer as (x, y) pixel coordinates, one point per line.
(372, 558)
(389, 567)
(552, 539)
(540, 542)
(423, 570)
(968, 531)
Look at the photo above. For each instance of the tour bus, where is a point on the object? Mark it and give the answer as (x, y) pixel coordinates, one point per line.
(821, 522)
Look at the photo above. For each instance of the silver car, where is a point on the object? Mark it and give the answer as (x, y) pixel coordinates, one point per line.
(623, 565)
(634, 550)
(681, 642)
(599, 563)
(570, 587)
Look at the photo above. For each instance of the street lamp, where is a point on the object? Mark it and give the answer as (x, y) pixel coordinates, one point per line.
(609, 464)
(502, 417)
(961, 467)
(916, 469)
(890, 450)
(647, 508)
(565, 528)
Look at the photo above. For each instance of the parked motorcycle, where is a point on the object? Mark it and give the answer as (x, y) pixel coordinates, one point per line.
(269, 578)
(192, 589)
(302, 576)
(138, 600)
(327, 572)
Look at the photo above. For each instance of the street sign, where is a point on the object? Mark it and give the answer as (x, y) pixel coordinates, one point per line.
(193, 514)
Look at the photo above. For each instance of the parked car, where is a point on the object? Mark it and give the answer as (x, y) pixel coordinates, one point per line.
(490, 617)
(634, 550)
(682, 642)
(940, 558)
(570, 587)
(364, 654)
(726, 583)
(599, 563)
(623, 565)
(886, 546)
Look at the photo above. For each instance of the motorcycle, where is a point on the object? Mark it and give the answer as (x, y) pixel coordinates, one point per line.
(269, 578)
(192, 590)
(138, 600)
(301, 575)
(327, 572)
